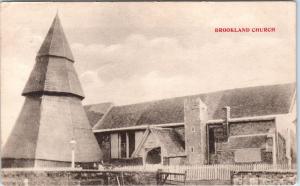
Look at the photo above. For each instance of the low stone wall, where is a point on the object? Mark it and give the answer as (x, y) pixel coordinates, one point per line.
(29, 163)
(284, 177)
(27, 177)
(10, 162)
(75, 177)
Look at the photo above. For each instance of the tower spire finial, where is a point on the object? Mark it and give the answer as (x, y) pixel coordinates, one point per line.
(55, 43)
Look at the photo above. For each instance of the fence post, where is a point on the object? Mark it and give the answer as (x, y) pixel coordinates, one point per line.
(216, 173)
(184, 178)
(158, 176)
(106, 182)
(122, 177)
(25, 182)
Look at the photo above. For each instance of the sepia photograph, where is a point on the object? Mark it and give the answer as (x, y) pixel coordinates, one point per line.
(148, 93)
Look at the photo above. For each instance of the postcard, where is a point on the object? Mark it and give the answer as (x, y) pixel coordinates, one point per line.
(148, 93)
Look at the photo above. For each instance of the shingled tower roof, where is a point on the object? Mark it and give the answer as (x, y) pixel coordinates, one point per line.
(54, 71)
(55, 43)
(52, 114)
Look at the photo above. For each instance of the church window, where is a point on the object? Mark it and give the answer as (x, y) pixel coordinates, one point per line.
(211, 141)
(131, 141)
(123, 145)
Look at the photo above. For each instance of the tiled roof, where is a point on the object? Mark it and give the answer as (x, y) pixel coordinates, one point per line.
(244, 102)
(96, 112)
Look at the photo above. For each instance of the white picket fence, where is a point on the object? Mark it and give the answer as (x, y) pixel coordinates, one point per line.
(205, 172)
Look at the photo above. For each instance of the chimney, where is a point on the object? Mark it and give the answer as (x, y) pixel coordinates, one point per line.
(226, 119)
(195, 120)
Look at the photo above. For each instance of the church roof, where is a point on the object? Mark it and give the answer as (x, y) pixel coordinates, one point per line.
(56, 43)
(96, 112)
(54, 72)
(244, 102)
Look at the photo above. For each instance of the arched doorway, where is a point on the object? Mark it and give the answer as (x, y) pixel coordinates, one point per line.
(154, 156)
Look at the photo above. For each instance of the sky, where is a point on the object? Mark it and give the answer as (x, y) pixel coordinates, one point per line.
(133, 52)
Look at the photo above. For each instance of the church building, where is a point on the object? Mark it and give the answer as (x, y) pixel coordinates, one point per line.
(246, 125)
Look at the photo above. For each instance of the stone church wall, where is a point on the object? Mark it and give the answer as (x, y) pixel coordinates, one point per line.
(225, 155)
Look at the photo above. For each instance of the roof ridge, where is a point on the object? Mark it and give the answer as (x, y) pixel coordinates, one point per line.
(100, 122)
(52, 27)
(198, 94)
(38, 135)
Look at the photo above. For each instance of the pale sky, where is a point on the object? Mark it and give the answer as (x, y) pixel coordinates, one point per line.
(133, 52)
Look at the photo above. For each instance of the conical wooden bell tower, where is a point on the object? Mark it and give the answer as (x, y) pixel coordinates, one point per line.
(52, 117)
